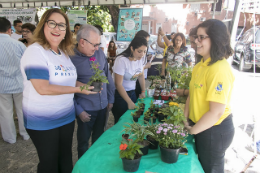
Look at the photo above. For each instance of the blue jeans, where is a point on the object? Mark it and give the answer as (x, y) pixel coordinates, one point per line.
(212, 144)
(120, 106)
(96, 124)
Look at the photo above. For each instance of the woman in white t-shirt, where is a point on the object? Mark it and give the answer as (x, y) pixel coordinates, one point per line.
(129, 67)
(49, 87)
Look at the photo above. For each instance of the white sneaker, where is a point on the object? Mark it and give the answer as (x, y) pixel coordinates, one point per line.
(26, 138)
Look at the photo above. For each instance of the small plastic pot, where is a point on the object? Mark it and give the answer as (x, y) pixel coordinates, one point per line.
(135, 118)
(97, 86)
(131, 165)
(153, 143)
(169, 155)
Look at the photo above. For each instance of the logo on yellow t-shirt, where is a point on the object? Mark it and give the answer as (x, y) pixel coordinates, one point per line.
(198, 86)
(219, 88)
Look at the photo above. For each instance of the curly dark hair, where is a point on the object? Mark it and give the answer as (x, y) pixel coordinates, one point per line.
(220, 39)
(182, 37)
(29, 26)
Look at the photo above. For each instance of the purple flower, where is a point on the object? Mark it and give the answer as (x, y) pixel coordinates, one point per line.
(174, 131)
(165, 130)
(92, 59)
(158, 132)
(178, 133)
(165, 133)
(182, 134)
(160, 128)
(169, 127)
(164, 124)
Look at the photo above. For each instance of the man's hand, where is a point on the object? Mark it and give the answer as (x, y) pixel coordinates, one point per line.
(131, 105)
(179, 92)
(109, 106)
(84, 116)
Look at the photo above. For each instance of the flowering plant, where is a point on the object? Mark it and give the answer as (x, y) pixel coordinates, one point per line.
(130, 149)
(97, 77)
(171, 136)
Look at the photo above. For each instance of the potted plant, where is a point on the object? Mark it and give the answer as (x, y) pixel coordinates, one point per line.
(135, 116)
(150, 91)
(152, 139)
(163, 113)
(130, 154)
(171, 138)
(139, 132)
(175, 115)
(97, 79)
(125, 136)
(147, 116)
(139, 110)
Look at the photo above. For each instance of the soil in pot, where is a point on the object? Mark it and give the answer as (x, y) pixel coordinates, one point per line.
(153, 143)
(169, 155)
(146, 144)
(126, 136)
(141, 111)
(97, 86)
(131, 165)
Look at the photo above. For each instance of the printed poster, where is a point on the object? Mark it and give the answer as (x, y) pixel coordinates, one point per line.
(129, 23)
(77, 16)
(24, 15)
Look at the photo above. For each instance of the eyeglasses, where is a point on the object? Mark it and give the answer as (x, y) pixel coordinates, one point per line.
(26, 32)
(52, 24)
(95, 45)
(200, 37)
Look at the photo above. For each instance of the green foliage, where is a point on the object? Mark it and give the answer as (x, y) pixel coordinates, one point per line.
(170, 136)
(152, 106)
(147, 114)
(159, 68)
(137, 131)
(97, 77)
(132, 149)
(133, 114)
(176, 116)
(181, 75)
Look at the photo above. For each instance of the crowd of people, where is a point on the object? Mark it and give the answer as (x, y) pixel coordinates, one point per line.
(42, 76)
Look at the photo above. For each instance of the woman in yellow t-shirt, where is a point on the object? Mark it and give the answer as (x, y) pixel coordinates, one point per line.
(208, 103)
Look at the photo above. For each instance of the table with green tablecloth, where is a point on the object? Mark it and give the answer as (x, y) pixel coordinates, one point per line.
(103, 155)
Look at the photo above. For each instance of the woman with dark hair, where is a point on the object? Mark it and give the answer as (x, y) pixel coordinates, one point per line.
(74, 34)
(111, 51)
(208, 103)
(49, 79)
(177, 54)
(127, 69)
(27, 32)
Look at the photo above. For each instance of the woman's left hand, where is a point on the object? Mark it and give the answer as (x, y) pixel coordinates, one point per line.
(142, 95)
(188, 128)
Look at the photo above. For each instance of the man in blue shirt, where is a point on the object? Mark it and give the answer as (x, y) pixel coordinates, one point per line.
(11, 83)
(91, 109)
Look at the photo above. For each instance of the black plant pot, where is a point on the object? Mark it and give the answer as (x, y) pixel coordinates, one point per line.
(97, 86)
(169, 155)
(131, 165)
(154, 120)
(126, 136)
(146, 119)
(161, 117)
(145, 149)
(135, 119)
(153, 143)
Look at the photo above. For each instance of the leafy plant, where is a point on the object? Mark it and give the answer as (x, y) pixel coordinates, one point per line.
(171, 136)
(137, 131)
(129, 148)
(147, 114)
(133, 114)
(176, 115)
(180, 75)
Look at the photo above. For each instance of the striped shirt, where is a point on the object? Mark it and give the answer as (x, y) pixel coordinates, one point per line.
(11, 52)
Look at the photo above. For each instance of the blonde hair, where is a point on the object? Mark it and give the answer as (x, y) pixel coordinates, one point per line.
(66, 45)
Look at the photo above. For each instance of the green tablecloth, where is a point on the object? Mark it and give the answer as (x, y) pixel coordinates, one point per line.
(103, 155)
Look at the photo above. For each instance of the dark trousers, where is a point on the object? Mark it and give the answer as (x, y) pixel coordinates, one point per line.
(138, 89)
(120, 106)
(95, 125)
(212, 144)
(54, 148)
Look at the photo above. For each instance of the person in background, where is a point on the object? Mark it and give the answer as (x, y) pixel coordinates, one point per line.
(192, 34)
(144, 34)
(127, 69)
(18, 29)
(48, 96)
(177, 55)
(27, 30)
(91, 110)
(103, 39)
(11, 83)
(111, 51)
(208, 103)
(74, 34)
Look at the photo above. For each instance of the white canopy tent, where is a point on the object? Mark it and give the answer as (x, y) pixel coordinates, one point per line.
(41, 3)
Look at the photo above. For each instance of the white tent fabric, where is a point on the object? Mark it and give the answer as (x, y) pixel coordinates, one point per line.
(40, 3)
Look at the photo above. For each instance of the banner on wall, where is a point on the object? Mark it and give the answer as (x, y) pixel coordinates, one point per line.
(77, 16)
(24, 15)
(129, 23)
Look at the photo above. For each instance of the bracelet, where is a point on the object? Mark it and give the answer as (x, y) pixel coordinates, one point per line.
(184, 92)
(163, 35)
(143, 91)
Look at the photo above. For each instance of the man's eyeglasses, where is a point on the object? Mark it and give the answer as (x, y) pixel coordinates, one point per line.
(52, 24)
(95, 45)
(26, 32)
(200, 37)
